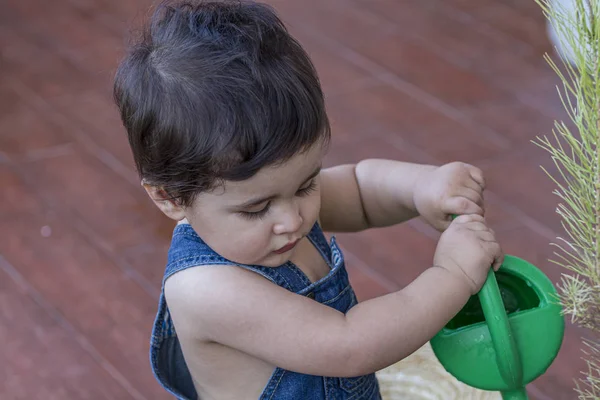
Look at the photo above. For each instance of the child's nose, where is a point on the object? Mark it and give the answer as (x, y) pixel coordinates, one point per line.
(290, 221)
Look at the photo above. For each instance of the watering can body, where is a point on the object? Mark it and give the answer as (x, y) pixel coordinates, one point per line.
(466, 349)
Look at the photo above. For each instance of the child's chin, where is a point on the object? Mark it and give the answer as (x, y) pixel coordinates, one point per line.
(276, 260)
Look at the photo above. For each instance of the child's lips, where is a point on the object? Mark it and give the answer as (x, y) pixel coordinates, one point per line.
(287, 247)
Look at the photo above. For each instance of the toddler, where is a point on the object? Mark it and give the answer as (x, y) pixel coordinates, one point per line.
(227, 125)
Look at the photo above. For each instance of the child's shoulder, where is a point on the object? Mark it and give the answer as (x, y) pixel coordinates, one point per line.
(195, 270)
(200, 297)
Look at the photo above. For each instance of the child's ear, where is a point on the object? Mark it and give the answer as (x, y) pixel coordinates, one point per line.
(164, 202)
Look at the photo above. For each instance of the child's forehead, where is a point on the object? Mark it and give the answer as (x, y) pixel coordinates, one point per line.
(289, 173)
(280, 177)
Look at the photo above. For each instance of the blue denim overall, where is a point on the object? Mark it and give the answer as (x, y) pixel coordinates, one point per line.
(188, 250)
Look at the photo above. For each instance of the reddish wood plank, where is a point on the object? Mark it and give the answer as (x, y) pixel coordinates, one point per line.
(515, 69)
(518, 179)
(41, 357)
(399, 253)
(15, 196)
(366, 283)
(386, 45)
(441, 137)
(522, 21)
(93, 115)
(519, 122)
(347, 24)
(25, 134)
(337, 76)
(91, 191)
(70, 31)
(110, 309)
(460, 38)
(42, 70)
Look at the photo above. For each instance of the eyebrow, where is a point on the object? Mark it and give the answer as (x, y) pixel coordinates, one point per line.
(255, 202)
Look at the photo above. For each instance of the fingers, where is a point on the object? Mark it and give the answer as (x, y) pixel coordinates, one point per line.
(473, 188)
(477, 176)
(466, 218)
(472, 192)
(474, 185)
(499, 257)
(488, 237)
(462, 205)
(476, 223)
(482, 231)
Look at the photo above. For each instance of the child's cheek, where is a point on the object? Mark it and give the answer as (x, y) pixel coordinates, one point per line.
(311, 209)
(251, 245)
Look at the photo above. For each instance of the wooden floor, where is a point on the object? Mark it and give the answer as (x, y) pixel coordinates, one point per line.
(83, 249)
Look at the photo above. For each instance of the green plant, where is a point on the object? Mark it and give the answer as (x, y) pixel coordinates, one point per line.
(575, 150)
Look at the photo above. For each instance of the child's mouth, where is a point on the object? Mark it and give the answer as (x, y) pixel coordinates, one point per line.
(287, 247)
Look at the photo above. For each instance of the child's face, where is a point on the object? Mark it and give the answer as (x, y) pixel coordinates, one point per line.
(258, 221)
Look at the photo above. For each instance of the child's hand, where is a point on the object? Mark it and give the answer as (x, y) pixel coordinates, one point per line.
(455, 188)
(468, 249)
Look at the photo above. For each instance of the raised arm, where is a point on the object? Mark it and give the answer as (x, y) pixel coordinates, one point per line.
(377, 193)
(246, 312)
(242, 310)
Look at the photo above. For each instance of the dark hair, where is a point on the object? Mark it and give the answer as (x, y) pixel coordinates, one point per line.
(216, 91)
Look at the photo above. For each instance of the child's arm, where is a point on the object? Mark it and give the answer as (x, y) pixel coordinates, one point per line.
(240, 309)
(377, 193)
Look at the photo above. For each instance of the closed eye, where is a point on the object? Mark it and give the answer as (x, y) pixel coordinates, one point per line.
(256, 214)
(305, 191)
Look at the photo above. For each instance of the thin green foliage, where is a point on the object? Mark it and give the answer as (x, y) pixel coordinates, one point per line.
(575, 150)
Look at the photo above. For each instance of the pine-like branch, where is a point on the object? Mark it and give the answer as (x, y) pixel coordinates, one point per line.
(576, 153)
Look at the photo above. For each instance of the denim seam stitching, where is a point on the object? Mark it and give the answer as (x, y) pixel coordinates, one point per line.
(274, 278)
(321, 249)
(160, 378)
(192, 234)
(277, 385)
(302, 276)
(326, 383)
(221, 262)
(340, 294)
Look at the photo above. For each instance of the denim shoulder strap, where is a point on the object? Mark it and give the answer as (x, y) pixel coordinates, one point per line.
(318, 239)
(189, 250)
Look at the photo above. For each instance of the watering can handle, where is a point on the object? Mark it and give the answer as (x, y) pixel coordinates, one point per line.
(507, 353)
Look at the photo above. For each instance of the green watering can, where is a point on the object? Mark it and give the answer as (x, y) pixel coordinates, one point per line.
(507, 335)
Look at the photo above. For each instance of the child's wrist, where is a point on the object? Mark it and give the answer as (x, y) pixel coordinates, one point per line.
(461, 281)
(422, 176)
